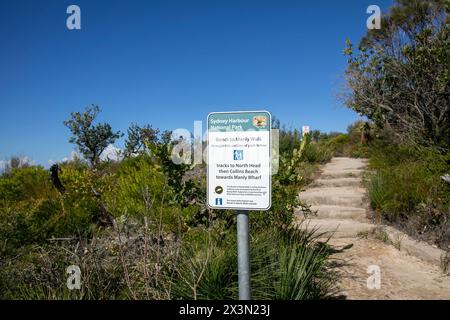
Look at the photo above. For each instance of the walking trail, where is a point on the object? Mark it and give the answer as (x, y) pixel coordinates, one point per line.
(408, 269)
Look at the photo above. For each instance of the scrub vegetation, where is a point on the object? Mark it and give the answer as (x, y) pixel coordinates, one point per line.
(399, 79)
(138, 227)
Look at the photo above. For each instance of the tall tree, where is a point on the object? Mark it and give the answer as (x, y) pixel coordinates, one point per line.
(91, 139)
(139, 138)
(400, 75)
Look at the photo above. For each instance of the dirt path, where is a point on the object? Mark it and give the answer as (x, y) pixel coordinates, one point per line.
(408, 269)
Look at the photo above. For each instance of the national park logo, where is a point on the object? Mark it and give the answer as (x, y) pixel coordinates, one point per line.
(260, 121)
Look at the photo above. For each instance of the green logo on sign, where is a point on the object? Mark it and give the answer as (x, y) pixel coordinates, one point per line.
(219, 190)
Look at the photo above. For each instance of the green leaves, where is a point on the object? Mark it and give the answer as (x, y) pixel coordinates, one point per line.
(399, 77)
(140, 138)
(91, 139)
(348, 51)
(287, 264)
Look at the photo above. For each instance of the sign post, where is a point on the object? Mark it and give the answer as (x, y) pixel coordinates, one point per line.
(243, 244)
(239, 174)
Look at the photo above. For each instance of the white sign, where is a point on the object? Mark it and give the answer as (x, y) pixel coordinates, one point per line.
(239, 160)
(305, 130)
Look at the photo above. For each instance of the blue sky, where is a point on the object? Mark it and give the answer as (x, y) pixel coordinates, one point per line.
(168, 63)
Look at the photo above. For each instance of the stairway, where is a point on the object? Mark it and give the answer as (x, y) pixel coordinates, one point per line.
(339, 199)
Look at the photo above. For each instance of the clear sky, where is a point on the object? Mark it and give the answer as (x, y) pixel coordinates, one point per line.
(168, 63)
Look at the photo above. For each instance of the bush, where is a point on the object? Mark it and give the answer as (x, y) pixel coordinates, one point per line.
(28, 183)
(405, 188)
(34, 211)
(208, 271)
(287, 264)
(347, 145)
(13, 229)
(40, 273)
(141, 190)
(159, 240)
(137, 181)
(317, 153)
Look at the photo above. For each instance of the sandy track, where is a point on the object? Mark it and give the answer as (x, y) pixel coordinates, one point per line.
(408, 269)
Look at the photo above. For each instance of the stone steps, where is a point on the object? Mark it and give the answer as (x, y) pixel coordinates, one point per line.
(335, 196)
(337, 182)
(338, 198)
(337, 228)
(329, 174)
(339, 212)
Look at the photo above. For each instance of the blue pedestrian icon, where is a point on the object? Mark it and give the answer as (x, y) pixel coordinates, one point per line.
(238, 154)
(218, 201)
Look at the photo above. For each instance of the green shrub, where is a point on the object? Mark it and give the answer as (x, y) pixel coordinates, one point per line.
(302, 274)
(37, 212)
(39, 272)
(400, 189)
(286, 264)
(405, 187)
(338, 143)
(377, 191)
(317, 153)
(13, 229)
(295, 268)
(163, 242)
(347, 145)
(141, 190)
(29, 183)
(208, 272)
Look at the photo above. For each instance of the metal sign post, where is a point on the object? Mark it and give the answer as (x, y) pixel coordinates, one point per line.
(239, 169)
(243, 251)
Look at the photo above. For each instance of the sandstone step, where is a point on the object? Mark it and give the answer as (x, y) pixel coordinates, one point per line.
(350, 201)
(344, 190)
(349, 162)
(339, 212)
(344, 166)
(337, 182)
(348, 173)
(338, 228)
(345, 196)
